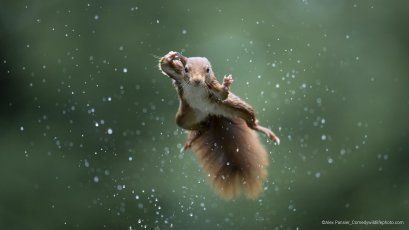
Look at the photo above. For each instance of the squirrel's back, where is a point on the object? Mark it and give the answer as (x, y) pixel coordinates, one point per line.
(232, 156)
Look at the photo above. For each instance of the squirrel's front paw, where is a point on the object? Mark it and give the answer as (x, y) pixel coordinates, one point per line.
(227, 81)
(171, 60)
(171, 65)
(169, 57)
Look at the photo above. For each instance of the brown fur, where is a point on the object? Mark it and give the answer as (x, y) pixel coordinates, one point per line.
(232, 156)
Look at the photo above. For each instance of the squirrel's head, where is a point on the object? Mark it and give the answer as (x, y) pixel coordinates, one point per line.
(197, 71)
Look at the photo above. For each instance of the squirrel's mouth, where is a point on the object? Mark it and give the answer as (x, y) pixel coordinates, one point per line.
(196, 82)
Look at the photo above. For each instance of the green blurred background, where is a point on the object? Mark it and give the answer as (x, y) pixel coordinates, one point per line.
(87, 132)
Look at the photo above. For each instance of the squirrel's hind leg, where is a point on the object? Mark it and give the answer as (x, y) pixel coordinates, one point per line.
(246, 112)
(192, 136)
(267, 132)
(253, 124)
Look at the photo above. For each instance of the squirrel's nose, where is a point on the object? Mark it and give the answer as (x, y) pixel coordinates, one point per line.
(196, 81)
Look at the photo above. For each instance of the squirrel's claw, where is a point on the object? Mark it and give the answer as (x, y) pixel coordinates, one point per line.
(270, 135)
(227, 80)
(171, 65)
(276, 140)
(273, 138)
(171, 55)
(185, 147)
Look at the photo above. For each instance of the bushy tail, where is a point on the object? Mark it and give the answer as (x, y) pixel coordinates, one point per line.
(232, 156)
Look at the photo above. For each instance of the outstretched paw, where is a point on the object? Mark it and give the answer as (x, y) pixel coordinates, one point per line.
(274, 138)
(171, 65)
(227, 81)
(270, 135)
(172, 55)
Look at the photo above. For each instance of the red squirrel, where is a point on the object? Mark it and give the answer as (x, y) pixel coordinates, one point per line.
(220, 127)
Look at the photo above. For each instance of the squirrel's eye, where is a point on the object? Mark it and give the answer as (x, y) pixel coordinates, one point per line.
(207, 70)
(186, 70)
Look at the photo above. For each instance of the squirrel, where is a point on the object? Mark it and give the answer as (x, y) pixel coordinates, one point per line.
(219, 125)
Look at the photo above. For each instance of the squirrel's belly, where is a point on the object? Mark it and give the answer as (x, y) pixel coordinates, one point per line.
(198, 99)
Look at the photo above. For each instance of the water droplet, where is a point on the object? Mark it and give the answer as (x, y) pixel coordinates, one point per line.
(330, 160)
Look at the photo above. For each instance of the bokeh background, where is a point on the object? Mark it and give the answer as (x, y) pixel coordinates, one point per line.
(87, 132)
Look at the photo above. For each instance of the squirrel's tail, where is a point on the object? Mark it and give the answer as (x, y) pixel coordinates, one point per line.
(232, 156)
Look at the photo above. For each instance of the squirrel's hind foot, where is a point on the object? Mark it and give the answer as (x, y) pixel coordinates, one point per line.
(268, 133)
